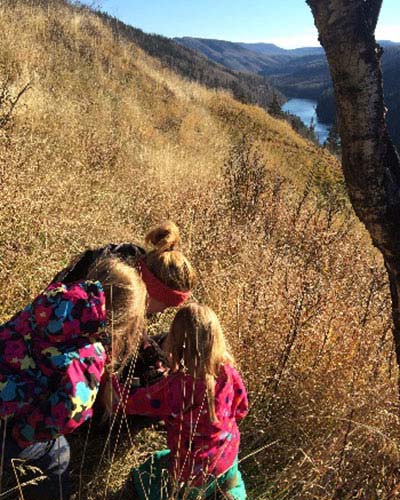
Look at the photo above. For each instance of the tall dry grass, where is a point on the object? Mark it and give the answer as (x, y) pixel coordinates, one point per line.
(105, 143)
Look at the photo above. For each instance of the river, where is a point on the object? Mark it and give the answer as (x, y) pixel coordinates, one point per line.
(305, 109)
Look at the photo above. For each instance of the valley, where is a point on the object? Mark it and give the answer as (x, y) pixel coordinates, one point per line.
(301, 73)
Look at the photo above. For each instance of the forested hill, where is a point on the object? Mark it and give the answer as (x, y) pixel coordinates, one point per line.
(246, 87)
(236, 56)
(261, 58)
(302, 73)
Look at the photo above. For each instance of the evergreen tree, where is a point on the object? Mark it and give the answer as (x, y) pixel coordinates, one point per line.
(332, 142)
(275, 109)
(310, 133)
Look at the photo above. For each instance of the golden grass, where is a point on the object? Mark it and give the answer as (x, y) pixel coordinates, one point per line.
(106, 143)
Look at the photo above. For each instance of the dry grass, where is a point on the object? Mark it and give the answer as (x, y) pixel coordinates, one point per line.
(104, 144)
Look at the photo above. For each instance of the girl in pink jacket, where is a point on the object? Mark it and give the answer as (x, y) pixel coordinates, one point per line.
(201, 401)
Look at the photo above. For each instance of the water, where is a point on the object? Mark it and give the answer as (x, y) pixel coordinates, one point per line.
(305, 109)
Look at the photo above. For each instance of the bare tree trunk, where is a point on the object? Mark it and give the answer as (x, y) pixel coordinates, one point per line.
(370, 161)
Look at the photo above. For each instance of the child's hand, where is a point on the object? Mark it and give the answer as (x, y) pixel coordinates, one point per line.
(161, 368)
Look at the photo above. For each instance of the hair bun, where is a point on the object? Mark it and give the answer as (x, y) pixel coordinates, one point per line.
(164, 237)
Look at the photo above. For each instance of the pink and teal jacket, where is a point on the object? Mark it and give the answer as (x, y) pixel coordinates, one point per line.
(198, 447)
(52, 356)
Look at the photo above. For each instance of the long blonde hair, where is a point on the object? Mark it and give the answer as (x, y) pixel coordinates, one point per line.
(196, 345)
(125, 295)
(165, 261)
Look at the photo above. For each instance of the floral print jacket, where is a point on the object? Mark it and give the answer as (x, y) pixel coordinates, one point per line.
(52, 356)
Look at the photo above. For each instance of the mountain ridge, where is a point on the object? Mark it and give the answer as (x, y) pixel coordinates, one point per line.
(304, 73)
(246, 87)
(233, 55)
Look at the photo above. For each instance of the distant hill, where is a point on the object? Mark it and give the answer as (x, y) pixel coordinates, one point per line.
(236, 56)
(248, 88)
(261, 58)
(299, 72)
(272, 49)
(307, 51)
(264, 48)
(302, 76)
(302, 72)
(387, 43)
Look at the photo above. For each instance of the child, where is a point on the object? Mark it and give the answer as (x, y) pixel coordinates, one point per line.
(200, 400)
(52, 357)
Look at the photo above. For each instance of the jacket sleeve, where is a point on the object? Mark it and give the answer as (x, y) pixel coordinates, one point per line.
(153, 400)
(240, 405)
(70, 404)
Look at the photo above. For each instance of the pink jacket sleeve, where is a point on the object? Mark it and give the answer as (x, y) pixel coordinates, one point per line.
(152, 400)
(240, 405)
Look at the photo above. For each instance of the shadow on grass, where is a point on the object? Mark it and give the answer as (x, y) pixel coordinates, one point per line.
(102, 460)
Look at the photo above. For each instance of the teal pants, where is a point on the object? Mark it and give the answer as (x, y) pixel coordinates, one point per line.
(150, 481)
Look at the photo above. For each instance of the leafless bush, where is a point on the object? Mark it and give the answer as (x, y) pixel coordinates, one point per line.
(8, 101)
(245, 177)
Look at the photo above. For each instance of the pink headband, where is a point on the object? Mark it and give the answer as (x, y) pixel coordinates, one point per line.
(157, 290)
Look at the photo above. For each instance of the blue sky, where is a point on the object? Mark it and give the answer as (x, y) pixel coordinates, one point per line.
(288, 23)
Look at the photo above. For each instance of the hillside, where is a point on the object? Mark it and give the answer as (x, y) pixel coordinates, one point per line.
(145, 115)
(105, 142)
(247, 88)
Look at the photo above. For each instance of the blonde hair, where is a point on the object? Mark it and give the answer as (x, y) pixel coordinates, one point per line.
(196, 345)
(125, 295)
(165, 261)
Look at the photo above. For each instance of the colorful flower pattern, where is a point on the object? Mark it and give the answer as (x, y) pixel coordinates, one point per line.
(51, 361)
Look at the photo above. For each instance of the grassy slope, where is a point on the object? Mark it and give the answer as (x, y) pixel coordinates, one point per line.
(246, 87)
(99, 112)
(105, 143)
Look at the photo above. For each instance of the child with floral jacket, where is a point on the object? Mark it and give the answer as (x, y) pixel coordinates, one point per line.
(52, 356)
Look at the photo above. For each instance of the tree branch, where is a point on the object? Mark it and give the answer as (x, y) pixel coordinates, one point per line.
(12, 103)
